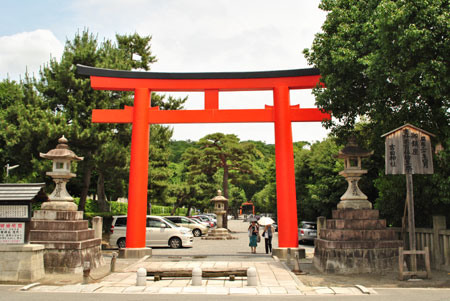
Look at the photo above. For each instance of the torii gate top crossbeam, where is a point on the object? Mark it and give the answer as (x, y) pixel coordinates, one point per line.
(107, 79)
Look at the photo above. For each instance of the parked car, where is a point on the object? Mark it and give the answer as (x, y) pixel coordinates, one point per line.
(307, 231)
(160, 232)
(206, 223)
(182, 221)
(212, 215)
(207, 218)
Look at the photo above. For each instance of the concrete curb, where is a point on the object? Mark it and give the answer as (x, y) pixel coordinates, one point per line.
(29, 286)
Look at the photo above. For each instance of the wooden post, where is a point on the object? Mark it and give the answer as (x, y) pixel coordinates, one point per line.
(411, 221)
(439, 223)
(400, 264)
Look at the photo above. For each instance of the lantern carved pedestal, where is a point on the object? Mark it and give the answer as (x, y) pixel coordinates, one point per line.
(68, 241)
(355, 240)
(219, 209)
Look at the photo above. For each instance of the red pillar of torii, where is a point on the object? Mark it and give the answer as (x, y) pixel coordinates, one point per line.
(142, 115)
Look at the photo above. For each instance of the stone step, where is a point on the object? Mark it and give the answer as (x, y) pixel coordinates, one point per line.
(366, 224)
(352, 235)
(355, 214)
(357, 244)
(59, 225)
(69, 245)
(58, 235)
(57, 215)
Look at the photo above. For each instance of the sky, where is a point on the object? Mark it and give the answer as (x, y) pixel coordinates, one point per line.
(187, 36)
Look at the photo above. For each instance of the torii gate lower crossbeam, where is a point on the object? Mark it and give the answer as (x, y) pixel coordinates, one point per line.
(142, 115)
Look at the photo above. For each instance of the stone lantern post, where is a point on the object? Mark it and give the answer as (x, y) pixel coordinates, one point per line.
(219, 209)
(353, 198)
(62, 157)
(59, 226)
(355, 240)
(220, 202)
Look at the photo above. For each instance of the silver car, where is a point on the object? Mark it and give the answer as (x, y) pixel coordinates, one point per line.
(307, 231)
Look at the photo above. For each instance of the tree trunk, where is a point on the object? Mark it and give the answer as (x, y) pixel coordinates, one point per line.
(86, 183)
(103, 205)
(188, 210)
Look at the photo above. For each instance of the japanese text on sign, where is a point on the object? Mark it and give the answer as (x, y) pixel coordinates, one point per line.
(12, 233)
(408, 151)
(13, 211)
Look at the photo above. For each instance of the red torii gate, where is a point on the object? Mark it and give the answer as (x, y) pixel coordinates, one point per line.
(142, 115)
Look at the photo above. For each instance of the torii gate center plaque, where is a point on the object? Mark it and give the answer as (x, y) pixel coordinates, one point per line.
(141, 115)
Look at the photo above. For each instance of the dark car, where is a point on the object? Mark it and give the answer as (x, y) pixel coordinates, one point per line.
(307, 231)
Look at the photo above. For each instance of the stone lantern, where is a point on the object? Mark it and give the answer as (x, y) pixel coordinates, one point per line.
(353, 198)
(220, 203)
(62, 157)
(59, 226)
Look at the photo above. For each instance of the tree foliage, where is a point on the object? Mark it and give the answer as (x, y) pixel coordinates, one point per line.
(385, 62)
(385, 59)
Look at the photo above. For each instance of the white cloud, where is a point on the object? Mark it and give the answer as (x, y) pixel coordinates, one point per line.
(27, 51)
(193, 36)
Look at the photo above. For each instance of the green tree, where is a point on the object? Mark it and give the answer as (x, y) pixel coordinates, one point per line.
(70, 94)
(386, 62)
(27, 127)
(221, 153)
(385, 59)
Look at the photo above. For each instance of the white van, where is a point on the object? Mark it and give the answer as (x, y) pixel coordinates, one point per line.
(160, 232)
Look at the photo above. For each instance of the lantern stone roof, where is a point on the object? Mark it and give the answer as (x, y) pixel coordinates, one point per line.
(61, 151)
(219, 197)
(353, 150)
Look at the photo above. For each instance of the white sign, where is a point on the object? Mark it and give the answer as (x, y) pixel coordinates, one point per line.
(12, 233)
(13, 211)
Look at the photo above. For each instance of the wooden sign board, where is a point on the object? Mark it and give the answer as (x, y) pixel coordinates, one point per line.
(408, 151)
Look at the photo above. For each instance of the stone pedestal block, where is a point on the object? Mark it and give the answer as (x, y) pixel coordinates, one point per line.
(21, 263)
(282, 253)
(67, 239)
(135, 252)
(356, 241)
(218, 233)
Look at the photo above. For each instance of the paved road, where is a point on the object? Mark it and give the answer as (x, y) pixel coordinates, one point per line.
(234, 249)
(8, 293)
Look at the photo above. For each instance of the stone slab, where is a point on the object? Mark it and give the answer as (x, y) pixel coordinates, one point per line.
(135, 252)
(356, 224)
(59, 235)
(71, 261)
(70, 245)
(58, 225)
(21, 263)
(357, 244)
(355, 214)
(360, 235)
(355, 261)
(57, 215)
(282, 253)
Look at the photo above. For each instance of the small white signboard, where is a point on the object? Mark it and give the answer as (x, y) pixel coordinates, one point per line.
(14, 211)
(12, 233)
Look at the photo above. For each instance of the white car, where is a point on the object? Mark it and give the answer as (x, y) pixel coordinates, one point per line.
(160, 232)
(182, 221)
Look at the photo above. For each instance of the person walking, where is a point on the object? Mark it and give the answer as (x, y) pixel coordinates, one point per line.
(253, 233)
(268, 234)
